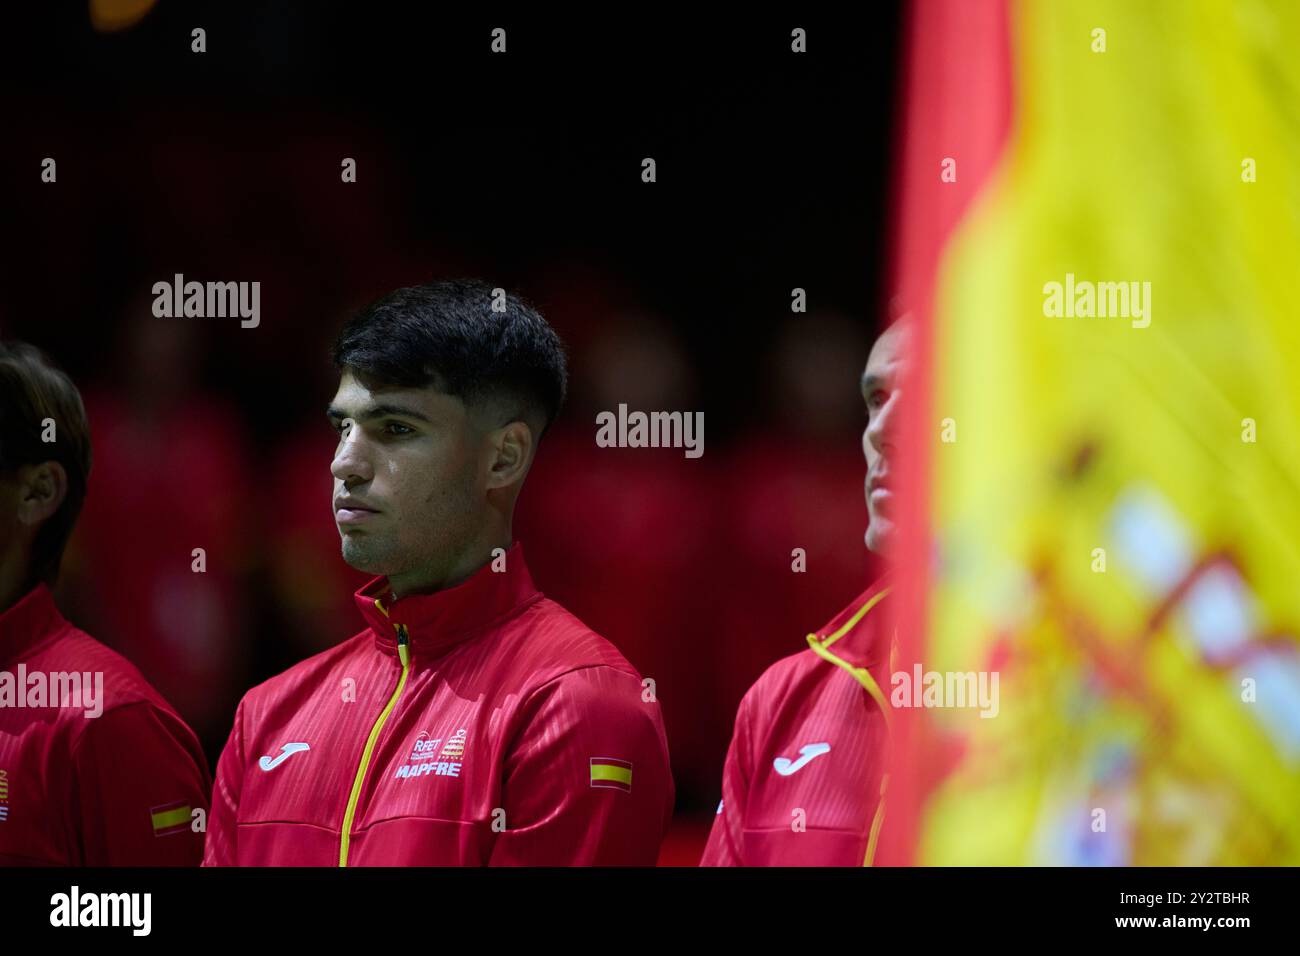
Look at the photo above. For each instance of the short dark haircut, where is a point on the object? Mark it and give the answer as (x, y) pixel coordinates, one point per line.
(445, 334)
(31, 391)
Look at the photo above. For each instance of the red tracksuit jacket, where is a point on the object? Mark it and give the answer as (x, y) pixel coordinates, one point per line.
(483, 724)
(803, 779)
(117, 789)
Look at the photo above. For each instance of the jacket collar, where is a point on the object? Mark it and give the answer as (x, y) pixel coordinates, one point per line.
(437, 622)
(27, 622)
(867, 636)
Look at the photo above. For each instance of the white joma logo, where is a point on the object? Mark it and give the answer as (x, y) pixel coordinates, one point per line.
(287, 751)
(785, 766)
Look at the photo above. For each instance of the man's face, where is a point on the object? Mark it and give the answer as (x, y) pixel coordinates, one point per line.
(881, 379)
(408, 494)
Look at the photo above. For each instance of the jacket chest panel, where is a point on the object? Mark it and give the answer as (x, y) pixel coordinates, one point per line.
(819, 766)
(423, 752)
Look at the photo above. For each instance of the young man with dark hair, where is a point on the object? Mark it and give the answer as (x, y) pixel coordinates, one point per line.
(96, 769)
(473, 721)
(805, 775)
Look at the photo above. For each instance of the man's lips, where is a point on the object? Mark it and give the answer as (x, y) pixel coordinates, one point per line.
(348, 511)
(879, 493)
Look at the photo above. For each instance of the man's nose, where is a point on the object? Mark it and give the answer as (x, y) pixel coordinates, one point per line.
(351, 465)
(880, 430)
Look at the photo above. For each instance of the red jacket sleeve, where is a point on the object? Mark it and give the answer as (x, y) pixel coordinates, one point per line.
(221, 847)
(725, 846)
(140, 775)
(586, 781)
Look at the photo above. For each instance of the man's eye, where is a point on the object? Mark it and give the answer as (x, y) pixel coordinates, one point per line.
(397, 428)
(876, 400)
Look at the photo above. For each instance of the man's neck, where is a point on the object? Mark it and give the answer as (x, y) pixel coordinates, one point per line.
(458, 571)
(15, 578)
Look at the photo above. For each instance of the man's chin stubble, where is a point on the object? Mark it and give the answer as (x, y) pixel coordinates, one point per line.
(363, 558)
(878, 543)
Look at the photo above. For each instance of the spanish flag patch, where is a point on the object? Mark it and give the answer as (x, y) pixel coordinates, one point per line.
(612, 773)
(170, 818)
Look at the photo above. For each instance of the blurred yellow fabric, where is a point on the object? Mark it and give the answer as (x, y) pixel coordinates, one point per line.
(1118, 515)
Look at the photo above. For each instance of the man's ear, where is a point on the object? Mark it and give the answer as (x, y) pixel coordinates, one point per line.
(512, 450)
(42, 489)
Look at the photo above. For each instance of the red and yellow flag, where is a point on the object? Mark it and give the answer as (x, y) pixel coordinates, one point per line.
(1098, 233)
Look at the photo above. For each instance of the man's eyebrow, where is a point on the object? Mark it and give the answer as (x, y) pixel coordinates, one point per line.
(871, 381)
(378, 411)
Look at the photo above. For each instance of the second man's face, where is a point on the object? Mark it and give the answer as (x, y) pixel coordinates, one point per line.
(406, 493)
(881, 380)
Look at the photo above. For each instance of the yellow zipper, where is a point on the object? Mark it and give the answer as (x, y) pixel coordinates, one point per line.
(863, 677)
(403, 638)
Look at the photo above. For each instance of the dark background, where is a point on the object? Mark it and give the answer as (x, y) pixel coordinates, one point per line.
(524, 169)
